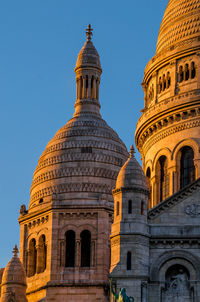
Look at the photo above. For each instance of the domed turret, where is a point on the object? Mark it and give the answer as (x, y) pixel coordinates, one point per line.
(129, 231)
(71, 205)
(13, 286)
(131, 174)
(86, 154)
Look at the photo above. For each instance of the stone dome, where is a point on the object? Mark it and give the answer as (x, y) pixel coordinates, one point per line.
(131, 174)
(80, 164)
(180, 25)
(14, 272)
(88, 56)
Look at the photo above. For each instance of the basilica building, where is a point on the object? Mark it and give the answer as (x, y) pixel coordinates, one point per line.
(94, 214)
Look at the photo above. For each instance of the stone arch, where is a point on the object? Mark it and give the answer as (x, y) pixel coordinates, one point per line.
(167, 259)
(68, 227)
(176, 158)
(41, 254)
(164, 151)
(192, 142)
(88, 227)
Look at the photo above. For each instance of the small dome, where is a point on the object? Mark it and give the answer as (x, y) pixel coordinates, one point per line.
(14, 272)
(88, 56)
(131, 174)
(180, 25)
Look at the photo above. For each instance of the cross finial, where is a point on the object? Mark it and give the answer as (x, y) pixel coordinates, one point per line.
(15, 251)
(89, 32)
(132, 151)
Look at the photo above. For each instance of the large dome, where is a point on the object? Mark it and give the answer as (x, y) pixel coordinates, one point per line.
(180, 25)
(83, 157)
(80, 164)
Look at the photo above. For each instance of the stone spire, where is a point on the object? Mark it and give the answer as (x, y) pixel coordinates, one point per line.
(88, 71)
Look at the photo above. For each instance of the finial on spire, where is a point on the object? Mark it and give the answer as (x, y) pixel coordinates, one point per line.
(132, 151)
(89, 32)
(15, 251)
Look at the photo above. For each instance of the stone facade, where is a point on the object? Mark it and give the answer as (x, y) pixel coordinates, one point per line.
(65, 236)
(168, 138)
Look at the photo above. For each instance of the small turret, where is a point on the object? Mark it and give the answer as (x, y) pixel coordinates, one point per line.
(129, 233)
(88, 71)
(13, 286)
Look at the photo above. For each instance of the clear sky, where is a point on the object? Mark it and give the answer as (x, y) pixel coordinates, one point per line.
(39, 44)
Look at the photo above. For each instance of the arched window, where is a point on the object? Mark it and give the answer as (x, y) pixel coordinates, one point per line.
(164, 82)
(92, 87)
(117, 209)
(32, 258)
(187, 170)
(85, 248)
(128, 261)
(148, 176)
(162, 179)
(41, 255)
(187, 74)
(160, 85)
(86, 87)
(193, 70)
(181, 75)
(70, 249)
(130, 207)
(168, 80)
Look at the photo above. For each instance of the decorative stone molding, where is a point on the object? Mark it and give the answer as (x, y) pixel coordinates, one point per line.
(71, 187)
(173, 200)
(170, 131)
(79, 215)
(38, 222)
(74, 171)
(67, 157)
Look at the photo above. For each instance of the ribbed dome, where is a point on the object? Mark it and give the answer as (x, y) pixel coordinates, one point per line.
(80, 164)
(88, 57)
(131, 174)
(14, 272)
(180, 25)
(84, 157)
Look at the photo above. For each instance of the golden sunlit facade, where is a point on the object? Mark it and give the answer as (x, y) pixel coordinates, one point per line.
(94, 214)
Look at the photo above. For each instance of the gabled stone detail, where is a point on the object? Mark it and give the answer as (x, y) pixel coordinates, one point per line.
(173, 200)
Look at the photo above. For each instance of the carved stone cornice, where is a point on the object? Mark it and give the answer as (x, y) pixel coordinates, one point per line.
(74, 171)
(71, 187)
(173, 200)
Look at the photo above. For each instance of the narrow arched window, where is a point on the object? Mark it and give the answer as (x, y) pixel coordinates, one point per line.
(92, 87)
(128, 261)
(164, 82)
(70, 249)
(32, 258)
(168, 80)
(148, 176)
(187, 74)
(41, 255)
(130, 207)
(187, 171)
(162, 179)
(181, 75)
(86, 87)
(117, 208)
(160, 85)
(142, 207)
(193, 70)
(85, 248)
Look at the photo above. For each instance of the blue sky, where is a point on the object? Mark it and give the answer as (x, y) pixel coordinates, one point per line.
(39, 44)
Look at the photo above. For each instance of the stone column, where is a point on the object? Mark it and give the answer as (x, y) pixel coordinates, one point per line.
(89, 87)
(93, 253)
(62, 253)
(78, 253)
(80, 88)
(84, 87)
